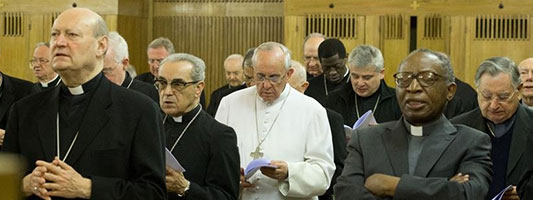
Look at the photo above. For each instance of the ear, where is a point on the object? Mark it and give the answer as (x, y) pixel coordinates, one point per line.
(382, 74)
(451, 91)
(101, 49)
(304, 86)
(199, 88)
(125, 63)
(289, 73)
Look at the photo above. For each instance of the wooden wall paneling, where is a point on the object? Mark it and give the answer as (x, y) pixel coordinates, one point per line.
(132, 29)
(457, 51)
(395, 31)
(372, 31)
(294, 35)
(14, 45)
(432, 30)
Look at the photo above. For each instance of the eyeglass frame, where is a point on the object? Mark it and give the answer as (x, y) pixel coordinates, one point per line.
(39, 61)
(265, 78)
(173, 85)
(152, 60)
(412, 76)
(498, 97)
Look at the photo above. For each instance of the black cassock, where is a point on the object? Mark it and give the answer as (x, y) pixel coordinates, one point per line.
(208, 152)
(317, 89)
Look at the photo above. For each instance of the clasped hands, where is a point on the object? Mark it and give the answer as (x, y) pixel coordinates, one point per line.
(279, 173)
(56, 179)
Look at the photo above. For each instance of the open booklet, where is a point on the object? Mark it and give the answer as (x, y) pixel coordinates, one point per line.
(255, 165)
(499, 196)
(364, 121)
(172, 162)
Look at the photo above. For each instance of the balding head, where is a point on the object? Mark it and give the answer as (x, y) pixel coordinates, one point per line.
(233, 69)
(78, 44)
(298, 79)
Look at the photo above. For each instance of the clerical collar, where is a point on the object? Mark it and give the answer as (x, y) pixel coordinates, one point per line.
(187, 116)
(84, 88)
(50, 82)
(281, 97)
(426, 129)
(127, 81)
(498, 130)
(527, 106)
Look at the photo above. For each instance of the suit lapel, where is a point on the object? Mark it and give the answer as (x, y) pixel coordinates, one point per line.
(521, 130)
(96, 117)
(47, 124)
(395, 141)
(433, 147)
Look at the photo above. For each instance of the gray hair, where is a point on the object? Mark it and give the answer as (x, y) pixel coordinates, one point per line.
(496, 65)
(248, 58)
(366, 56)
(299, 71)
(233, 56)
(39, 44)
(162, 42)
(312, 35)
(118, 45)
(198, 65)
(269, 46)
(100, 28)
(445, 63)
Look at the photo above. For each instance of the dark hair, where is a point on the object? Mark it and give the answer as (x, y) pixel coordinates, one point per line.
(331, 47)
(248, 58)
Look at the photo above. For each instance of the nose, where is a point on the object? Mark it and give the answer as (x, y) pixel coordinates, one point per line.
(267, 84)
(59, 40)
(414, 86)
(494, 104)
(529, 75)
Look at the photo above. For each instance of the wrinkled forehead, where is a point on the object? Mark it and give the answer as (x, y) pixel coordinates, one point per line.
(75, 21)
(180, 70)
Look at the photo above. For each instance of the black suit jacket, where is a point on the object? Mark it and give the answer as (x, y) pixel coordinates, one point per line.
(208, 151)
(120, 146)
(520, 157)
(217, 96)
(384, 149)
(13, 90)
(339, 149)
(142, 87)
(343, 102)
(37, 87)
(317, 89)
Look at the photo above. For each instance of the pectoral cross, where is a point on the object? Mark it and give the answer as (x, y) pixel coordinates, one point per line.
(257, 153)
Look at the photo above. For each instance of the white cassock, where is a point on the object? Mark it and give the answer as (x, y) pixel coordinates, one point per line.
(299, 136)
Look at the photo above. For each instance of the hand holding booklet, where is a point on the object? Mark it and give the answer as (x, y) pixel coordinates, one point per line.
(364, 121)
(172, 162)
(256, 165)
(499, 196)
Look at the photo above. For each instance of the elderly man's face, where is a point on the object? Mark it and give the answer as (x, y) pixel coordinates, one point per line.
(311, 62)
(73, 44)
(365, 80)
(422, 101)
(526, 74)
(233, 69)
(178, 93)
(334, 68)
(113, 70)
(40, 64)
(497, 98)
(270, 74)
(155, 56)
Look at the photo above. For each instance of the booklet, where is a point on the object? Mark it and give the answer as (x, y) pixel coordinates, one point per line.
(172, 162)
(500, 195)
(256, 165)
(363, 121)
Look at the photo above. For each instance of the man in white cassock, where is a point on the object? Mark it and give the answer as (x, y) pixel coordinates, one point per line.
(274, 121)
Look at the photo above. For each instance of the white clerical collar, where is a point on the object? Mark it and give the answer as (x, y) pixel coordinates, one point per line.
(281, 97)
(178, 119)
(76, 90)
(527, 106)
(45, 84)
(416, 131)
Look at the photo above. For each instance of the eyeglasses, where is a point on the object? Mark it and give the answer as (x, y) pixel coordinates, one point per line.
(176, 85)
(274, 79)
(38, 61)
(425, 78)
(151, 60)
(500, 98)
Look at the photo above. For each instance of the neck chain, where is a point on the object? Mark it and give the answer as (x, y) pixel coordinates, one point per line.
(257, 153)
(59, 145)
(490, 129)
(357, 106)
(186, 127)
(325, 85)
(128, 87)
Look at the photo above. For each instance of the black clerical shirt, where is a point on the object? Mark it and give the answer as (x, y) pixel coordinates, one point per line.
(365, 104)
(72, 109)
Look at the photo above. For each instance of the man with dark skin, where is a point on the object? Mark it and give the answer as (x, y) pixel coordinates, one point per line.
(422, 155)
